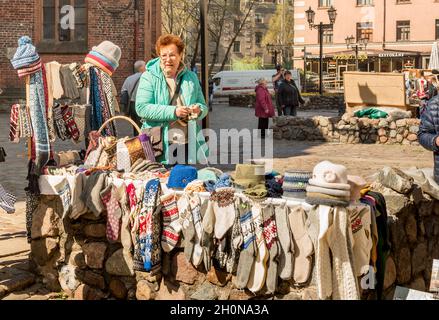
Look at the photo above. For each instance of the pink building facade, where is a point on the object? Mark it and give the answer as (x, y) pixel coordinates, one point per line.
(400, 34)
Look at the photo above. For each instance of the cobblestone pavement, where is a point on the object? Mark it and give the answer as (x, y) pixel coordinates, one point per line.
(359, 159)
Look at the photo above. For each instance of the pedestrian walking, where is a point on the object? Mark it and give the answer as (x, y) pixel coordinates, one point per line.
(277, 80)
(264, 108)
(289, 95)
(129, 91)
(428, 134)
(169, 101)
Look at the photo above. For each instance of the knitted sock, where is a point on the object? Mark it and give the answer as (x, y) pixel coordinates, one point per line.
(207, 226)
(235, 244)
(272, 242)
(69, 120)
(195, 206)
(108, 196)
(187, 226)
(170, 237)
(63, 191)
(304, 248)
(285, 266)
(14, 130)
(247, 255)
(224, 209)
(258, 272)
(60, 124)
(150, 234)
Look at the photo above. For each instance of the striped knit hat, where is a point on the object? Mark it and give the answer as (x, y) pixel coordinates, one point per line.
(295, 183)
(26, 53)
(105, 56)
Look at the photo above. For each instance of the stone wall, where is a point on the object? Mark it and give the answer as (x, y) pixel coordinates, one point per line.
(312, 102)
(75, 256)
(413, 219)
(347, 129)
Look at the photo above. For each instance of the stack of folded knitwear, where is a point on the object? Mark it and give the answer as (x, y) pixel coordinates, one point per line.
(295, 183)
(329, 185)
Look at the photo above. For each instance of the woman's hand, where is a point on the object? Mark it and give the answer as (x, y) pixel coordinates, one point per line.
(196, 109)
(182, 112)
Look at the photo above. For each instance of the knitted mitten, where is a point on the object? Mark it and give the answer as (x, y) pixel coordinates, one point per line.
(272, 241)
(187, 225)
(248, 252)
(224, 210)
(285, 267)
(170, 236)
(258, 272)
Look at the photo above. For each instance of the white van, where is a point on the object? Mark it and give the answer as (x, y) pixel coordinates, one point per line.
(243, 82)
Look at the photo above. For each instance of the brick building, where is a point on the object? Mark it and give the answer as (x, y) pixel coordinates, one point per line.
(133, 25)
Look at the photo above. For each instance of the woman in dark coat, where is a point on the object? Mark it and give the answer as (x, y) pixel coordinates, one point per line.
(289, 95)
(264, 108)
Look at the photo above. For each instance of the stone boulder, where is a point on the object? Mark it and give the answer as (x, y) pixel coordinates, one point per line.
(395, 179)
(43, 249)
(120, 264)
(94, 253)
(45, 221)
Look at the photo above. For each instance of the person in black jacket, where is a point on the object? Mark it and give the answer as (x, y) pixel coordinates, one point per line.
(289, 95)
(428, 134)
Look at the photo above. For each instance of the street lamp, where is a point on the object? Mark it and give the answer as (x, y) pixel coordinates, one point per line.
(276, 49)
(310, 16)
(359, 45)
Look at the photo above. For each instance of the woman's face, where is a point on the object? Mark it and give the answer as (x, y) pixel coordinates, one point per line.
(170, 59)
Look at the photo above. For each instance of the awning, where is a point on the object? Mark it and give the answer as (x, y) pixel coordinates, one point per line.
(365, 54)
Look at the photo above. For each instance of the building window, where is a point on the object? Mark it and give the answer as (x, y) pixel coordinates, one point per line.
(258, 38)
(364, 2)
(236, 25)
(325, 3)
(236, 46)
(328, 36)
(437, 29)
(53, 16)
(403, 30)
(259, 18)
(365, 31)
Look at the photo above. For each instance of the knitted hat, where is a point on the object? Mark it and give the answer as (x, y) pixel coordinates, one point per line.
(110, 51)
(209, 174)
(357, 183)
(330, 175)
(99, 63)
(295, 183)
(181, 175)
(26, 53)
(249, 175)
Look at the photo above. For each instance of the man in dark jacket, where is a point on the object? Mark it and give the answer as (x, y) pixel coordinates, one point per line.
(428, 134)
(289, 95)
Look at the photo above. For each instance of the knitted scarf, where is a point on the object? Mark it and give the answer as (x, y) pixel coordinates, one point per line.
(106, 110)
(95, 101)
(37, 105)
(108, 86)
(7, 200)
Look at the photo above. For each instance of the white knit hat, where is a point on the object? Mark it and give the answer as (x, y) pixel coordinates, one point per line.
(110, 51)
(329, 175)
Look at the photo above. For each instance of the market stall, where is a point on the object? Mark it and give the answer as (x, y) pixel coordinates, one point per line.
(260, 227)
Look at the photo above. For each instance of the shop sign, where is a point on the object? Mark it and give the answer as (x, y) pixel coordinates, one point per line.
(362, 56)
(332, 64)
(314, 56)
(391, 55)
